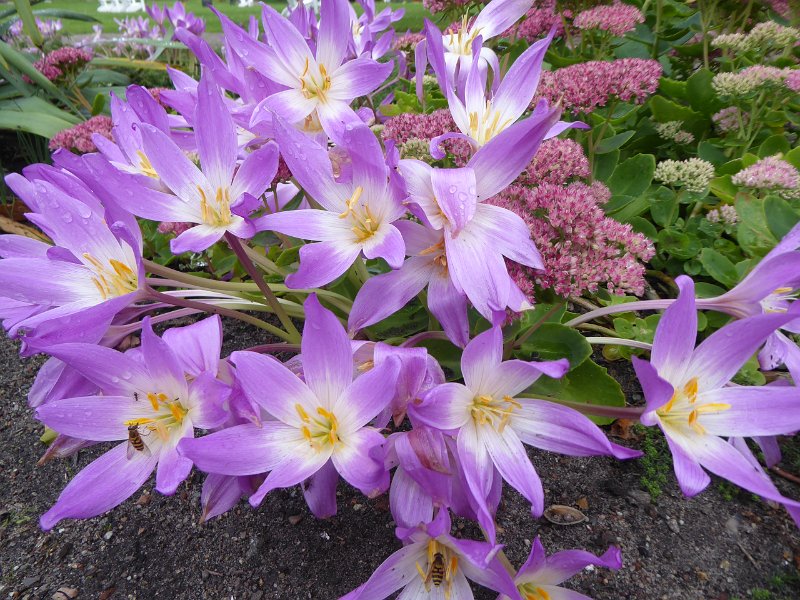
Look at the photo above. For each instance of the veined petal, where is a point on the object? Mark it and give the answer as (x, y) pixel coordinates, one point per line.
(478, 472)
(291, 105)
(396, 572)
(173, 468)
(96, 418)
(565, 564)
(286, 42)
(197, 346)
(751, 411)
(499, 15)
(321, 263)
(301, 462)
(454, 190)
(113, 372)
(386, 243)
(196, 239)
(243, 449)
(556, 428)
(449, 306)
(103, 484)
(676, 335)
(256, 171)
(285, 389)
(174, 168)
(215, 133)
(691, 477)
(367, 395)
(519, 84)
(509, 457)
(334, 30)
(480, 358)
(657, 391)
(310, 224)
(353, 460)
(358, 77)
(327, 355)
(509, 234)
(409, 502)
(319, 490)
(445, 407)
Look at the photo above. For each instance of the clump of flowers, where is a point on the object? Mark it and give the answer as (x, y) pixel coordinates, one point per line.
(748, 81)
(672, 131)
(408, 41)
(737, 42)
(730, 119)
(693, 174)
(79, 138)
(16, 36)
(771, 174)
(793, 80)
(557, 162)
(725, 214)
(582, 249)
(538, 21)
(617, 18)
(437, 6)
(412, 132)
(773, 34)
(584, 87)
(64, 63)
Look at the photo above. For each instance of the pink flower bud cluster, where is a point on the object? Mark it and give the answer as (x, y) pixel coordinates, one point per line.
(581, 247)
(166, 227)
(771, 174)
(727, 119)
(437, 6)
(408, 41)
(584, 87)
(538, 22)
(409, 127)
(79, 138)
(793, 80)
(558, 161)
(725, 214)
(64, 60)
(617, 18)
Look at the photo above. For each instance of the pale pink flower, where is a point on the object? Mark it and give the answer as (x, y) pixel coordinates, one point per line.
(79, 138)
(771, 174)
(618, 18)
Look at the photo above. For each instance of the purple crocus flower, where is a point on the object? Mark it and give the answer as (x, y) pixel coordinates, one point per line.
(72, 290)
(146, 400)
(357, 217)
(689, 397)
(491, 424)
(541, 575)
(429, 548)
(220, 197)
(320, 423)
(319, 84)
(463, 252)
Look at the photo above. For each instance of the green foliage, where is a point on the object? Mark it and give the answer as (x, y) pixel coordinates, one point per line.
(656, 461)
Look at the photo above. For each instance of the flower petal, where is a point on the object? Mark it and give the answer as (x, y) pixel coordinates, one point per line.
(754, 411)
(444, 407)
(509, 457)
(215, 133)
(449, 306)
(321, 263)
(367, 395)
(676, 335)
(354, 461)
(301, 462)
(319, 491)
(196, 239)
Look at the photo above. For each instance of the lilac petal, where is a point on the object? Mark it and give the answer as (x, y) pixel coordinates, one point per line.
(496, 165)
(208, 395)
(519, 84)
(396, 572)
(284, 391)
(383, 295)
(720, 356)
(291, 105)
(386, 243)
(113, 372)
(369, 167)
(174, 168)
(18, 246)
(286, 42)
(173, 468)
(754, 411)
(449, 306)
(103, 484)
(358, 77)
(556, 428)
(435, 146)
(481, 275)
(480, 358)
(725, 461)
(55, 380)
(256, 171)
(445, 407)
(197, 346)
(676, 334)
(161, 362)
(333, 34)
(770, 274)
(311, 166)
(365, 397)
(21, 279)
(478, 472)
(657, 391)
(97, 418)
(337, 118)
(196, 239)
(319, 491)
(563, 565)
(354, 462)
(220, 494)
(691, 477)
(310, 224)
(499, 15)
(559, 593)
(511, 377)
(493, 576)
(243, 449)
(321, 263)
(509, 457)
(409, 502)
(327, 356)
(301, 462)
(770, 448)
(510, 235)
(454, 190)
(216, 135)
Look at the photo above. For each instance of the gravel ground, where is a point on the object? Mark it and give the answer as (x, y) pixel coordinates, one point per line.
(721, 545)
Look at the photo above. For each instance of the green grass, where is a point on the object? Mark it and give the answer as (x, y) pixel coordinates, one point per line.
(415, 13)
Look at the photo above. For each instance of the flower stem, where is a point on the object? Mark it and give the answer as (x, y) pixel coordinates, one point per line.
(596, 410)
(615, 341)
(620, 308)
(425, 335)
(238, 249)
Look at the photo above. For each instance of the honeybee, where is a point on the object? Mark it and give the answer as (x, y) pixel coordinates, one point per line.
(436, 570)
(135, 443)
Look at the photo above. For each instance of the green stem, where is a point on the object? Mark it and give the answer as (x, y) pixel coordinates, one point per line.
(532, 329)
(619, 308)
(615, 341)
(597, 328)
(272, 300)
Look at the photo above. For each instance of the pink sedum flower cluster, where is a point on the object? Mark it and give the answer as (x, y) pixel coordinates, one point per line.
(584, 87)
(538, 21)
(727, 119)
(408, 128)
(63, 61)
(558, 161)
(617, 19)
(582, 249)
(793, 80)
(79, 138)
(771, 174)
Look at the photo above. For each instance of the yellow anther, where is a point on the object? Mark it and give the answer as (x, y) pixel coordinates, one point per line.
(421, 571)
(153, 400)
(365, 366)
(139, 421)
(178, 412)
(690, 390)
(302, 412)
(351, 203)
(145, 166)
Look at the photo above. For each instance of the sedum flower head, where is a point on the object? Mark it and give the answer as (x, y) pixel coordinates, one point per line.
(738, 42)
(728, 119)
(79, 137)
(748, 81)
(693, 174)
(774, 34)
(671, 130)
(618, 18)
(725, 214)
(771, 174)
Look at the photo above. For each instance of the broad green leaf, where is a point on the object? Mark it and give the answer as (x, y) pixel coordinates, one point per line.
(719, 267)
(753, 233)
(633, 176)
(701, 95)
(723, 188)
(29, 25)
(774, 144)
(781, 217)
(612, 143)
(41, 124)
(552, 341)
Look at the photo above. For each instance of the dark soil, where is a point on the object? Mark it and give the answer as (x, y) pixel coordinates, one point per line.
(720, 545)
